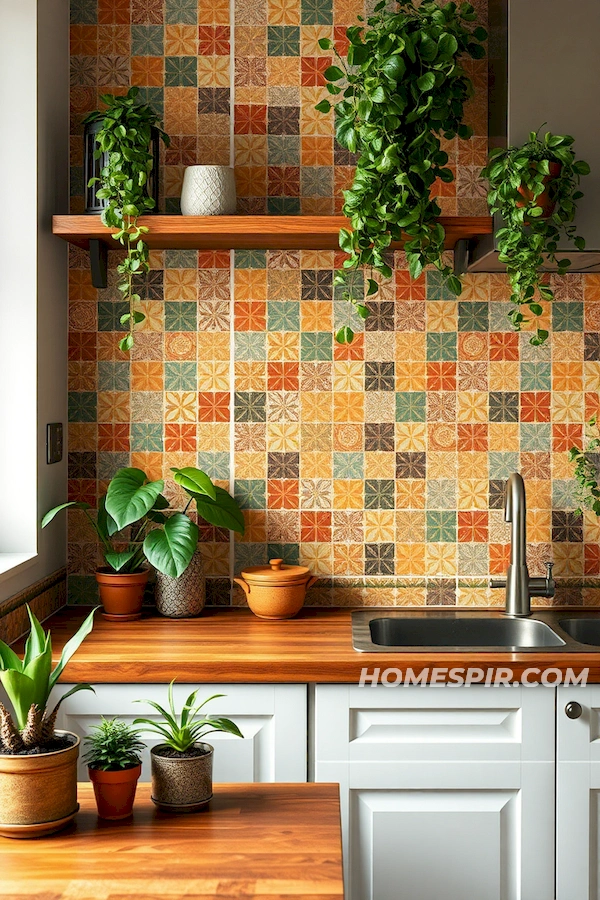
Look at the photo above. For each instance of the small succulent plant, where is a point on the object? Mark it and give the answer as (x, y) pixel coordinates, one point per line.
(112, 746)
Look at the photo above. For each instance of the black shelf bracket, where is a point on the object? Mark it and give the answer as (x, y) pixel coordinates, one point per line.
(99, 263)
(461, 256)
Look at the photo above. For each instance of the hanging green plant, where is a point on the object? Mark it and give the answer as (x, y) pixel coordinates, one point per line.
(125, 137)
(535, 188)
(402, 87)
(586, 469)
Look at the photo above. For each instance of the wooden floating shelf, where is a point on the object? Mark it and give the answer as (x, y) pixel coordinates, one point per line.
(246, 232)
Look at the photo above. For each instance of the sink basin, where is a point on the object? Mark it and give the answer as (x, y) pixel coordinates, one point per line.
(400, 632)
(584, 630)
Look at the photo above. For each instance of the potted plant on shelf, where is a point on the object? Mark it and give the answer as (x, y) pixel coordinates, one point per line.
(123, 141)
(182, 762)
(38, 763)
(165, 537)
(402, 87)
(535, 188)
(114, 766)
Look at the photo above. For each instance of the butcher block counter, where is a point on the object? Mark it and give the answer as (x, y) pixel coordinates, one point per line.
(231, 645)
(261, 841)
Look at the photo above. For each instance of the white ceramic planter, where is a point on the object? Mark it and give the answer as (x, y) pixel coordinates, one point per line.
(208, 191)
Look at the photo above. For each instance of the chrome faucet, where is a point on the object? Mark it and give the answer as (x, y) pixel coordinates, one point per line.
(520, 587)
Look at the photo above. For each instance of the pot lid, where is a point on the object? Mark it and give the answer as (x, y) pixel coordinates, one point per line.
(276, 571)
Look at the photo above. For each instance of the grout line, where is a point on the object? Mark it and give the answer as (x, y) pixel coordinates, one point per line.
(231, 407)
(232, 82)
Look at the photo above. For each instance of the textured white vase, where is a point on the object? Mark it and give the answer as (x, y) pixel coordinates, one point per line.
(208, 191)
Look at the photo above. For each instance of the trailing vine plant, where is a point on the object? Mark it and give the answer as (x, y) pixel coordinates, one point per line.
(402, 87)
(125, 139)
(586, 470)
(535, 188)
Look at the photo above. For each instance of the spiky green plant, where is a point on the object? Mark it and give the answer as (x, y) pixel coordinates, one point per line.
(181, 732)
(113, 746)
(28, 683)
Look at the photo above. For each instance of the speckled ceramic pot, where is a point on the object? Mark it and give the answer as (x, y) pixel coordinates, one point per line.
(276, 591)
(182, 784)
(38, 793)
(183, 597)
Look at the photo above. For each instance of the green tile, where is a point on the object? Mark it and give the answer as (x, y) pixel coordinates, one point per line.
(289, 553)
(82, 406)
(181, 71)
(180, 376)
(181, 12)
(283, 206)
(283, 149)
(499, 320)
(567, 316)
(216, 465)
(536, 437)
(283, 315)
(348, 465)
(410, 406)
(154, 97)
(436, 287)
(84, 12)
(110, 462)
(473, 316)
(250, 493)
(344, 313)
(180, 315)
(316, 12)
(316, 345)
(147, 437)
(109, 315)
(82, 590)
(251, 346)
(249, 554)
(250, 259)
(536, 376)
(147, 40)
(441, 526)
(565, 494)
(173, 206)
(380, 493)
(113, 376)
(181, 259)
(283, 40)
(317, 181)
(502, 464)
(441, 493)
(441, 346)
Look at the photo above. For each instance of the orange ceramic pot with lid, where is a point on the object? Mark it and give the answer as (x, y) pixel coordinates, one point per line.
(276, 591)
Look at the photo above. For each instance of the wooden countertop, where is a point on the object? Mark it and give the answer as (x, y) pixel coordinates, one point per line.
(265, 841)
(233, 646)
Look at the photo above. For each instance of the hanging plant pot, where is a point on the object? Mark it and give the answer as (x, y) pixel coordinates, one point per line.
(38, 791)
(115, 791)
(545, 199)
(92, 168)
(121, 595)
(183, 597)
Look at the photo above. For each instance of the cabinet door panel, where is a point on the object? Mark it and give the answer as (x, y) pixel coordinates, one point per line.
(272, 719)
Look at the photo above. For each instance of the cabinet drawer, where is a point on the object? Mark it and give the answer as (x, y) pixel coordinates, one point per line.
(434, 723)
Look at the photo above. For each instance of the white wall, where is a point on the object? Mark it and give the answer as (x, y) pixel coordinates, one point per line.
(34, 159)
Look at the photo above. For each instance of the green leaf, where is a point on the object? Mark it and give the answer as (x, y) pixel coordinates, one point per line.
(38, 670)
(325, 43)
(223, 512)
(76, 504)
(130, 496)
(21, 691)
(126, 343)
(323, 106)
(171, 548)
(394, 67)
(118, 561)
(333, 73)
(194, 481)
(72, 646)
(36, 642)
(345, 335)
(426, 82)
(9, 659)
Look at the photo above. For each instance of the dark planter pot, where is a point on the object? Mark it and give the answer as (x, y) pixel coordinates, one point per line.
(115, 791)
(121, 595)
(545, 198)
(182, 784)
(92, 168)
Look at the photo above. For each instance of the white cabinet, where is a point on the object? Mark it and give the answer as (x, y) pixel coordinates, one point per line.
(446, 792)
(272, 718)
(578, 795)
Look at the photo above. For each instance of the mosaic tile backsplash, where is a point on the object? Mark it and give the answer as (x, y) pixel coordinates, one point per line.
(380, 465)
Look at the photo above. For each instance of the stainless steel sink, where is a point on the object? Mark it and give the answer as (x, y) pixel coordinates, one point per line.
(585, 630)
(393, 630)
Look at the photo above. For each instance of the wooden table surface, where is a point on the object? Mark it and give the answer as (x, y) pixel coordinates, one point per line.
(264, 841)
(233, 646)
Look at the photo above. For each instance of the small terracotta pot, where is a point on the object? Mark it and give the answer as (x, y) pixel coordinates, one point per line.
(121, 595)
(544, 200)
(276, 591)
(38, 793)
(115, 791)
(182, 784)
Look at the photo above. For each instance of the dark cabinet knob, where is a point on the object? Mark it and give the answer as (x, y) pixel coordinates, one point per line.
(573, 709)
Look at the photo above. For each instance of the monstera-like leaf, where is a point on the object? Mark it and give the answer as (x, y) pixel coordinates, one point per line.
(194, 481)
(131, 496)
(170, 548)
(223, 511)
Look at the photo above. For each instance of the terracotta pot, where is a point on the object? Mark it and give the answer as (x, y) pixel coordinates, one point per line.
(115, 791)
(183, 597)
(38, 793)
(276, 591)
(121, 595)
(182, 784)
(544, 200)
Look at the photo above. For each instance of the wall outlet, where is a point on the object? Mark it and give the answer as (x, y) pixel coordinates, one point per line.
(54, 442)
